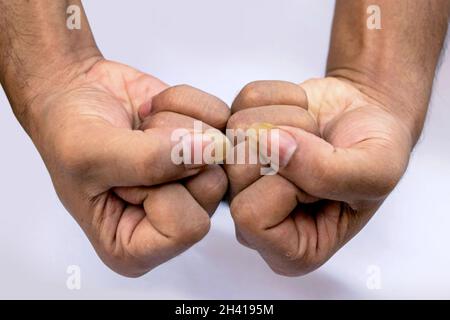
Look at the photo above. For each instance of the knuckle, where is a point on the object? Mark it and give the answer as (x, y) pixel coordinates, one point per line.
(222, 114)
(386, 182)
(241, 176)
(295, 267)
(129, 269)
(123, 261)
(196, 231)
(242, 241)
(214, 115)
(217, 183)
(243, 214)
(289, 271)
(237, 121)
(251, 92)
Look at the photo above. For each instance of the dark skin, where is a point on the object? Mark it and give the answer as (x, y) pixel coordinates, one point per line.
(103, 131)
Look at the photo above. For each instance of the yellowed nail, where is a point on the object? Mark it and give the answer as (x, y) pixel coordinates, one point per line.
(254, 130)
(262, 125)
(254, 134)
(222, 145)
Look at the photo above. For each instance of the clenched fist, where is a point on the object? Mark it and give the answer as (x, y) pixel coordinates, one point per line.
(340, 154)
(106, 138)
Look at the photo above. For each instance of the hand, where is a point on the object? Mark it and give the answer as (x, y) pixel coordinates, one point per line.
(105, 137)
(341, 154)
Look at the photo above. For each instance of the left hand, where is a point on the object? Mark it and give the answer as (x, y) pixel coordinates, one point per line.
(341, 153)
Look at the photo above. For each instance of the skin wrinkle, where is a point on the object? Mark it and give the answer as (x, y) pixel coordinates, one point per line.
(79, 110)
(382, 80)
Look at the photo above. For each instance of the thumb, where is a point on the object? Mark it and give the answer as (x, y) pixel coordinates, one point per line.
(158, 155)
(366, 170)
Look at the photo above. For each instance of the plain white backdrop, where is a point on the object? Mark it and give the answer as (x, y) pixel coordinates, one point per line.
(219, 46)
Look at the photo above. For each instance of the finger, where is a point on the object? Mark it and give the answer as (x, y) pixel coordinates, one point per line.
(266, 93)
(347, 173)
(122, 157)
(192, 102)
(280, 115)
(243, 174)
(208, 187)
(171, 222)
(262, 214)
(168, 119)
(212, 178)
(245, 168)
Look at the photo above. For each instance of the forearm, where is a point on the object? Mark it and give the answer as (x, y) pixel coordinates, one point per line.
(37, 48)
(396, 64)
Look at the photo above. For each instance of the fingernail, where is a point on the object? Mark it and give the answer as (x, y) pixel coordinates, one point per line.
(193, 146)
(254, 133)
(221, 147)
(262, 125)
(286, 143)
(144, 110)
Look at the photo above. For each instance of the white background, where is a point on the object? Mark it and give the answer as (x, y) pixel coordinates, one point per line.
(219, 46)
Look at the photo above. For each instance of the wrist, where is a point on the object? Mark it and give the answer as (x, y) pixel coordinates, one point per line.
(400, 100)
(29, 95)
(38, 52)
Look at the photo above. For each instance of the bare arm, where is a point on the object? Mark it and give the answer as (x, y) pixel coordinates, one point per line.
(109, 161)
(352, 133)
(395, 65)
(37, 50)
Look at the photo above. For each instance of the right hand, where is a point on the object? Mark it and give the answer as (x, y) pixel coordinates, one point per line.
(105, 137)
